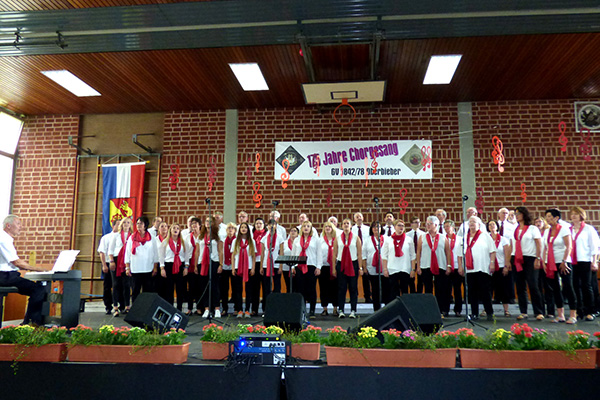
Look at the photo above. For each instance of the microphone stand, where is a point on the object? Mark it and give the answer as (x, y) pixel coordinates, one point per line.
(468, 319)
(376, 201)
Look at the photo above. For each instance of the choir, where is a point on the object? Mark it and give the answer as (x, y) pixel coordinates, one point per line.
(546, 258)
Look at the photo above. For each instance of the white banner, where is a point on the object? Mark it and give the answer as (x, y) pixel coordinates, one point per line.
(394, 159)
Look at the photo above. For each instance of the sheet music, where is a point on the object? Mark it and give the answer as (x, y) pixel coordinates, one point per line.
(63, 263)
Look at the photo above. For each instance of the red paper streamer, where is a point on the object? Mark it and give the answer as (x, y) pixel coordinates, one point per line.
(586, 146)
(257, 165)
(523, 194)
(426, 157)
(249, 171)
(317, 165)
(374, 163)
(402, 203)
(328, 197)
(366, 171)
(497, 153)
(341, 169)
(212, 173)
(286, 175)
(257, 197)
(479, 201)
(174, 177)
(563, 140)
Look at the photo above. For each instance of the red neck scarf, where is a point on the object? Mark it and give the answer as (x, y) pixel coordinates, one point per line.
(138, 240)
(175, 250)
(303, 246)
(329, 256)
(243, 263)
(271, 242)
(347, 267)
(227, 249)
(398, 244)
(162, 239)
(290, 242)
(518, 249)
(574, 251)
(258, 236)
(375, 262)
(205, 257)
(435, 268)
(121, 255)
(452, 241)
(497, 243)
(551, 265)
(194, 260)
(469, 252)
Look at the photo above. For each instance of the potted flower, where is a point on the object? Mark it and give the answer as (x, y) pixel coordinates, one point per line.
(306, 343)
(527, 347)
(127, 345)
(399, 349)
(26, 343)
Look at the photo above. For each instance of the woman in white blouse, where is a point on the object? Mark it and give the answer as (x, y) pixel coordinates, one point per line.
(210, 264)
(120, 280)
(285, 249)
(271, 276)
(527, 252)
(398, 261)
(479, 263)
(243, 258)
(584, 258)
(348, 252)
(174, 261)
(501, 279)
(225, 278)
(557, 254)
(372, 264)
(308, 245)
(141, 258)
(327, 279)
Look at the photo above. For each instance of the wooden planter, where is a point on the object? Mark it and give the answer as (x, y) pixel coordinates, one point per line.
(533, 359)
(306, 351)
(45, 353)
(172, 354)
(344, 356)
(215, 351)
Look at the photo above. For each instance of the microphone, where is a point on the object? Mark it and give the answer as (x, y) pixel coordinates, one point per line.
(465, 197)
(375, 200)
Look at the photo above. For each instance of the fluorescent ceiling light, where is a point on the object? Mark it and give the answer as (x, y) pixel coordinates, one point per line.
(441, 69)
(249, 76)
(72, 83)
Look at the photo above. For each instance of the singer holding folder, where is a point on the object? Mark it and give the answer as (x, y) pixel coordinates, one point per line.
(10, 264)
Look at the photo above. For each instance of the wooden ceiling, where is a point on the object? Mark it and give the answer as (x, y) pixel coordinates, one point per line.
(541, 66)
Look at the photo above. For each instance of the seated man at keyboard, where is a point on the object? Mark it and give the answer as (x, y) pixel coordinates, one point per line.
(10, 263)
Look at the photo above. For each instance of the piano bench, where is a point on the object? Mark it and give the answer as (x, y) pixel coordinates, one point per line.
(4, 290)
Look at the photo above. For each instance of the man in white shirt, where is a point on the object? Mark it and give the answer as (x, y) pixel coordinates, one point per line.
(362, 231)
(218, 216)
(303, 217)
(154, 229)
(505, 227)
(415, 224)
(106, 276)
(441, 214)
(243, 218)
(185, 234)
(10, 264)
(334, 221)
(388, 228)
(471, 212)
(281, 231)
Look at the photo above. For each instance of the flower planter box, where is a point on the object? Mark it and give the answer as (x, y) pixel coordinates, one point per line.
(171, 354)
(215, 351)
(306, 351)
(45, 353)
(533, 359)
(344, 356)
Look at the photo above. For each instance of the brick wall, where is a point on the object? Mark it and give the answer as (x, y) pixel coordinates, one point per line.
(44, 185)
(529, 132)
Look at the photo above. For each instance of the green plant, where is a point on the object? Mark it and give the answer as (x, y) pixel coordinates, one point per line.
(338, 337)
(216, 333)
(110, 335)
(527, 338)
(366, 338)
(28, 335)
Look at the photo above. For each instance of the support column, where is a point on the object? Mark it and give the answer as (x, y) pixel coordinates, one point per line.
(467, 152)
(231, 154)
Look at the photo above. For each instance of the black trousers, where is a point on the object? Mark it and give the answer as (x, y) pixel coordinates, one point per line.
(503, 286)
(458, 283)
(555, 296)
(596, 294)
(374, 281)
(366, 284)
(443, 289)
(170, 284)
(121, 290)
(225, 280)
(397, 284)
(35, 291)
(347, 283)
(253, 291)
(328, 287)
(479, 289)
(426, 278)
(192, 284)
(107, 296)
(142, 281)
(307, 285)
(237, 288)
(568, 292)
(528, 277)
(211, 279)
(582, 276)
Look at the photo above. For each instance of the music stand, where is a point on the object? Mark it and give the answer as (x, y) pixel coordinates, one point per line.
(291, 261)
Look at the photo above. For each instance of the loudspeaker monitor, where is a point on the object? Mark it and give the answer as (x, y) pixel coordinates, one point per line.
(151, 311)
(285, 310)
(425, 310)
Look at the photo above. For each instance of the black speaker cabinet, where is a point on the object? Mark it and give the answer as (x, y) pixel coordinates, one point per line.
(425, 311)
(285, 310)
(151, 311)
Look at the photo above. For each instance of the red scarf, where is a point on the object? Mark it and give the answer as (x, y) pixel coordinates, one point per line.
(258, 236)
(290, 241)
(469, 252)
(194, 260)
(303, 246)
(330, 256)
(375, 262)
(551, 265)
(435, 268)
(162, 239)
(452, 241)
(574, 252)
(497, 242)
(243, 260)
(121, 255)
(205, 257)
(347, 267)
(175, 250)
(398, 244)
(138, 240)
(518, 250)
(227, 249)
(270, 259)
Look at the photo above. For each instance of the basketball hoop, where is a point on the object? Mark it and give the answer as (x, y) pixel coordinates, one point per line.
(344, 103)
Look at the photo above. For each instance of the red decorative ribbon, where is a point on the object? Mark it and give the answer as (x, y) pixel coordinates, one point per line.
(328, 197)
(426, 157)
(586, 146)
(257, 165)
(174, 178)
(523, 194)
(562, 139)
(374, 163)
(497, 153)
(479, 201)
(212, 173)
(402, 203)
(317, 165)
(249, 171)
(286, 175)
(366, 171)
(341, 169)
(257, 197)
